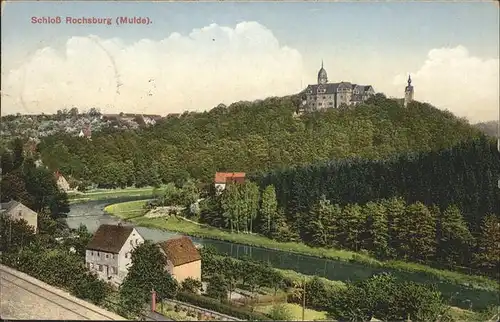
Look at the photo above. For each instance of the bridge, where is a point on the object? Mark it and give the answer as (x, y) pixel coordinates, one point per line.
(27, 298)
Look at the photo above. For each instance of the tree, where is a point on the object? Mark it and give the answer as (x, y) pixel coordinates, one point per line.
(146, 273)
(250, 194)
(268, 209)
(454, 238)
(79, 240)
(191, 285)
(318, 230)
(488, 252)
(217, 287)
(417, 232)
(13, 187)
(15, 234)
(351, 226)
(376, 235)
(90, 287)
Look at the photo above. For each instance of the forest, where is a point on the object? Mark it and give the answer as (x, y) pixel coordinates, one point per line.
(464, 175)
(385, 228)
(252, 137)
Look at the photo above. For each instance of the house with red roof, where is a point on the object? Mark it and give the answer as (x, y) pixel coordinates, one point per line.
(224, 178)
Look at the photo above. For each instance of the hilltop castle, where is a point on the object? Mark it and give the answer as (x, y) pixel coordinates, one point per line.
(331, 95)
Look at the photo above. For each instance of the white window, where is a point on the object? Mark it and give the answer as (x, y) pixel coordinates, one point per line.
(98, 254)
(107, 255)
(100, 268)
(114, 270)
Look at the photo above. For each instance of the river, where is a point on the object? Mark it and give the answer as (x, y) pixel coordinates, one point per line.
(91, 214)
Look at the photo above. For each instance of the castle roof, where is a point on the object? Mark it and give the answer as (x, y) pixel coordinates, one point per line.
(332, 88)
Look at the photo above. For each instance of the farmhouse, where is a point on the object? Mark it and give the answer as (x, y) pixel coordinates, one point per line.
(17, 211)
(183, 258)
(62, 183)
(224, 178)
(109, 252)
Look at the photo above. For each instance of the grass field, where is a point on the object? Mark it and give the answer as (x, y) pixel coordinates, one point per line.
(100, 194)
(296, 312)
(196, 230)
(126, 210)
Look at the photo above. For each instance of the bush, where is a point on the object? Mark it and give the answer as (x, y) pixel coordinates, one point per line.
(280, 312)
(214, 305)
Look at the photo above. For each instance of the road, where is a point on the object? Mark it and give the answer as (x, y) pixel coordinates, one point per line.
(24, 297)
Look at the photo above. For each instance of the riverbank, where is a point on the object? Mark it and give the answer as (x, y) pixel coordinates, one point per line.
(102, 194)
(196, 230)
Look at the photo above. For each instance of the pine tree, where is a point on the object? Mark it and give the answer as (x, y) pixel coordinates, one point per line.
(395, 212)
(488, 250)
(454, 237)
(375, 236)
(418, 232)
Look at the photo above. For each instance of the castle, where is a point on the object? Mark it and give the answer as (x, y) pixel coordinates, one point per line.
(331, 95)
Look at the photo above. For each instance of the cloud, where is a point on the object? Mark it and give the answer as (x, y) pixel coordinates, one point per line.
(211, 65)
(452, 79)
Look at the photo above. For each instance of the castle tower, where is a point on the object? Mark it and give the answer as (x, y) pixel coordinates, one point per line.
(322, 76)
(408, 92)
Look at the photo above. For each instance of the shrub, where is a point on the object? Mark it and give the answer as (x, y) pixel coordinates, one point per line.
(280, 312)
(215, 305)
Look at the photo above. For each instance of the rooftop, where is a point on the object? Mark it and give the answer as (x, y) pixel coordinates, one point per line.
(110, 238)
(180, 250)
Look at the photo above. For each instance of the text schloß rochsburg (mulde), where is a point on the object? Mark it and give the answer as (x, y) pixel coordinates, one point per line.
(91, 20)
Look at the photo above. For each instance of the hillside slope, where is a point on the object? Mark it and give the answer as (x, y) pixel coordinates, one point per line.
(252, 137)
(489, 128)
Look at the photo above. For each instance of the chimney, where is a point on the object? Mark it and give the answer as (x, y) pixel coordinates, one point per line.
(153, 300)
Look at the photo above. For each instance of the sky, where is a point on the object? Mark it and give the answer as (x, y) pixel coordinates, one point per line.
(192, 56)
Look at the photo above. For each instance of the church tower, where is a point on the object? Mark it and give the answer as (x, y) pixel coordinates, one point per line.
(408, 92)
(322, 77)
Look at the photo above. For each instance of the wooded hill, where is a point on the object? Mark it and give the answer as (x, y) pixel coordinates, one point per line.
(252, 137)
(465, 175)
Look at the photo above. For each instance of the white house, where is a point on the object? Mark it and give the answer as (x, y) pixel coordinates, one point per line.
(17, 211)
(109, 252)
(62, 183)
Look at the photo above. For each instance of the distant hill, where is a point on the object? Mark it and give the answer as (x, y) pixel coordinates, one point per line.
(489, 128)
(253, 137)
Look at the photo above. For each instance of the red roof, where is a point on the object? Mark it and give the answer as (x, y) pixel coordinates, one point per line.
(227, 177)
